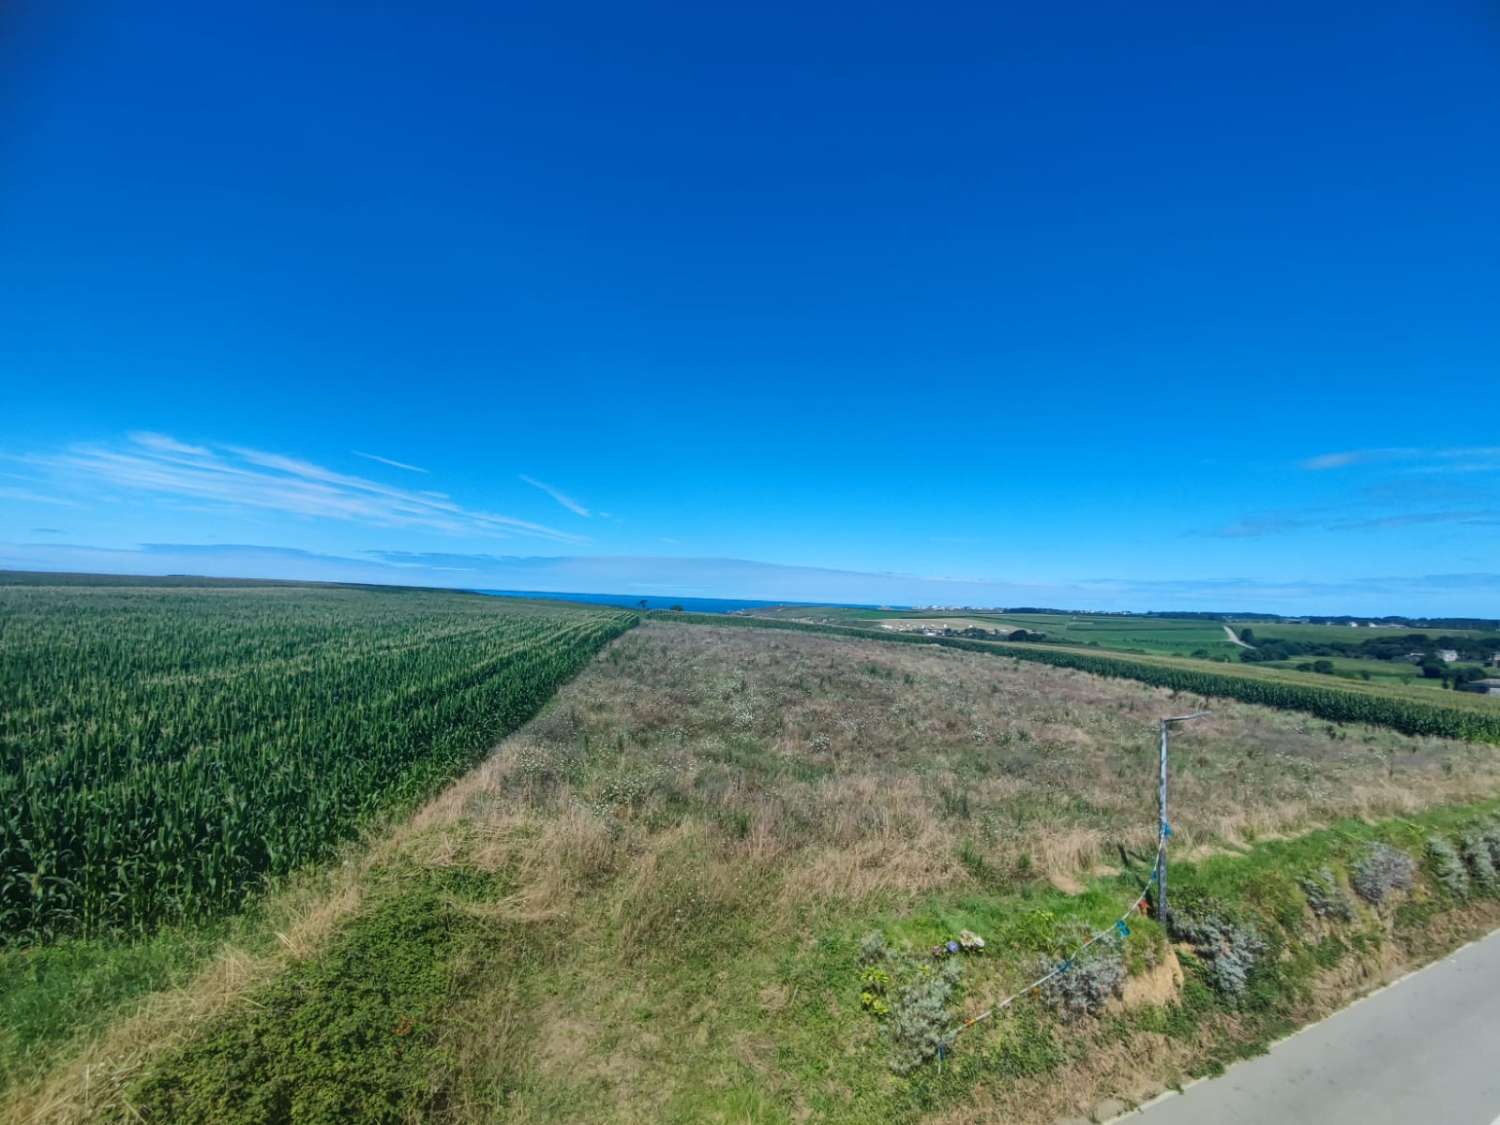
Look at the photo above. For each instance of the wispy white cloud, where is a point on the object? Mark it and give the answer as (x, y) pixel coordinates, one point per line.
(1453, 459)
(164, 444)
(388, 461)
(243, 477)
(557, 494)
(1280, 523)
(30, 496)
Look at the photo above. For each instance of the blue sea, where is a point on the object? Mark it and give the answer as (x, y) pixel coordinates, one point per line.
(633, 601)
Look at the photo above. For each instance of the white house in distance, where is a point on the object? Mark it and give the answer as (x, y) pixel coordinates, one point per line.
(1446, 655)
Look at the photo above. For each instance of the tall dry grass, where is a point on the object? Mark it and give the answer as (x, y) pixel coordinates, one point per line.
(861, 767)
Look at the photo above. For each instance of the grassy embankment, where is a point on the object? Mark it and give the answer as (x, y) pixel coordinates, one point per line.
(655, 902)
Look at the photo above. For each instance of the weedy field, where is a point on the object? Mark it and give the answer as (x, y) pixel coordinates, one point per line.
(1396, 704)
(702, 885)
(1202, 640)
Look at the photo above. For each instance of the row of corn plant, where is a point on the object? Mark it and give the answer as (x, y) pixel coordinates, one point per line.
(165, 751)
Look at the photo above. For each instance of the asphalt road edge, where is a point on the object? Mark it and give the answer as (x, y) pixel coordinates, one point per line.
(1360, 999)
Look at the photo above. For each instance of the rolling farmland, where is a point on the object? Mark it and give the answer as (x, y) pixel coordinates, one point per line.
(165, 750)
(679, 891)
(700, 838)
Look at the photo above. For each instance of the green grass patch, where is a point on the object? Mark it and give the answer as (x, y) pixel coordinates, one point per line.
(355, 1033)
(53, 995)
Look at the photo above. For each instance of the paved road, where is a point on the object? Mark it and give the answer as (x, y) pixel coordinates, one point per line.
(1426, 1049)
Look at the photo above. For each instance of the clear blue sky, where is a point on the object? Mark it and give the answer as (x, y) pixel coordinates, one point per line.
(1103, 305)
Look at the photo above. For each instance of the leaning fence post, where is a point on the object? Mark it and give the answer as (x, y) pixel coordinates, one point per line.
(1161, 833)
(1164, 829)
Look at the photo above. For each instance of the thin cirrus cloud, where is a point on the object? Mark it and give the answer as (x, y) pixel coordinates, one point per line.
(1256, 527)
(31, 496)
(161, 443)
(241, 477)
(557, 494)
(1456, 459)
(388, 461)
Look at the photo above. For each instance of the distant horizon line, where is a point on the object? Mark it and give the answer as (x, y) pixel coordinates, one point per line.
(633, 598)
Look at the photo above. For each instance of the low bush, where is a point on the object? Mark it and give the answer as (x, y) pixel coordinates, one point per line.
(1447, 867)
(1381, 870)
(872, 948)
(1229, 948)
(1476, 852)
(1326, 896)
(1491, 835)
(920, 1024)
(1087, 984)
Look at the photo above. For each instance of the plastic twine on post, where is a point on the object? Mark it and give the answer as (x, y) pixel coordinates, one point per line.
(1119, 927)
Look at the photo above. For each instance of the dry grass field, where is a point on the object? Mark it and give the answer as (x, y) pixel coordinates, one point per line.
(645, 904)
(862, 767)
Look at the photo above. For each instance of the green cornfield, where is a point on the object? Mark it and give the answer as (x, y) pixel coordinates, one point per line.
(166, 750)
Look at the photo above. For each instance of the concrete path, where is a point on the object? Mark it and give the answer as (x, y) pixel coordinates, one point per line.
(1426, 1049)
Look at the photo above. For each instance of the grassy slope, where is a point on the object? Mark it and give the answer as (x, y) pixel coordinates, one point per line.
(382, 1024)
(649, 906)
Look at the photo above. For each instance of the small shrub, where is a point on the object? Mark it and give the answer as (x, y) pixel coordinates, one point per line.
(1229, 949)
(1492, 841)
(920, 1024)
(875, 982)
(628, 789)
(1088, 983)
(1380, 871)
(1481, 863)
(1447, 867)
(1326, 896)
(873, 948)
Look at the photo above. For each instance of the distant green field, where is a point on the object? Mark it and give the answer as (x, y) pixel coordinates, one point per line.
(1168, 636)
(1290, 631)
(1385, 671)
(1160, 636)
